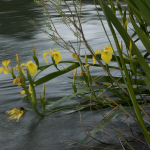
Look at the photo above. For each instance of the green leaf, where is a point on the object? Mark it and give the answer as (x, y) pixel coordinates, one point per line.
(147, 82)
(137, 12)
(143, 37)
(64, 99)
(55, 74)
(135, 51)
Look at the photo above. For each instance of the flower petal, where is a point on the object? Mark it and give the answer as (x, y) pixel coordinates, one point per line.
(96, 52)
(6, 71)
(44, 55)
(23, 65)
(16, 115)
(57, 56)
(5, 63)
(32, 67)
(108, 48)
(106, 56)
(93, 60)
(23, 92)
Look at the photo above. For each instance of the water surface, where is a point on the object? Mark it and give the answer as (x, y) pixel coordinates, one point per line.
(17, 35)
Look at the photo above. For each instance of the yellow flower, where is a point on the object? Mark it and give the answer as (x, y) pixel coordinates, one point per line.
(32, 67)
(55, 54)
(23, 92)
(107, 54)
(15, 113)
(6, 69)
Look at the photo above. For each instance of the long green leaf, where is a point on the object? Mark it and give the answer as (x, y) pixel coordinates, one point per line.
(147, 82)
(64, 99)
(136, 11)
(142, 8)
(141, 35)
(55, 74)
(135, 51)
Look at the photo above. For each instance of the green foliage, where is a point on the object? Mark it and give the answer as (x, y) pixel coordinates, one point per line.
(94, 89)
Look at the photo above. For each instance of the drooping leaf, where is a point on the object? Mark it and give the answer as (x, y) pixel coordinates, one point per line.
(55, 74)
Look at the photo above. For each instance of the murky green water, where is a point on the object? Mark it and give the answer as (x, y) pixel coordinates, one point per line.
(55, 131)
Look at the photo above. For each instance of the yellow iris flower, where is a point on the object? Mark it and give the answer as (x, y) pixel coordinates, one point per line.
(6, 69)
(55, 54)
(15, 113)
(32, 67)
(106, 55)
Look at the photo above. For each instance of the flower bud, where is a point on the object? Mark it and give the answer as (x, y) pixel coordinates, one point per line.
(135, 56)
(106, 84)
(126, 23)
(86, 61)
(74, 77)
(34, 50)
(87, 66)
(81, 73)
(124, 56)
(75, 72)
(43, 91)
(121, 45)
(130, 48)
(17, 58)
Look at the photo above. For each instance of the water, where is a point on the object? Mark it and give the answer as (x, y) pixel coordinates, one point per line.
(18, 36)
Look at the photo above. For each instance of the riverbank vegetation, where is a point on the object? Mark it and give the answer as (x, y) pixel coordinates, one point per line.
(131, 87)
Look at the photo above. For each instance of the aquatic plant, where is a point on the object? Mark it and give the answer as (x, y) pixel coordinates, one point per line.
(131, 88)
